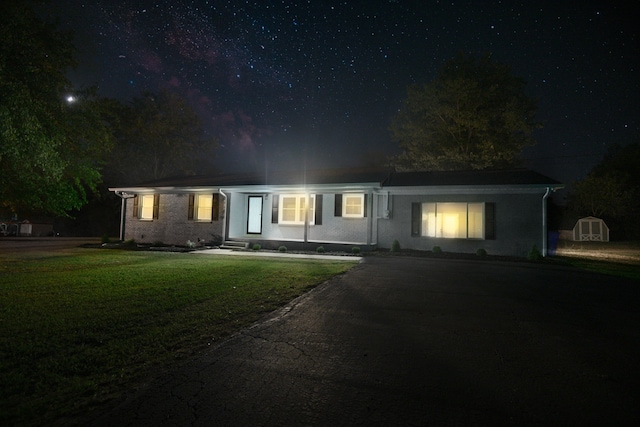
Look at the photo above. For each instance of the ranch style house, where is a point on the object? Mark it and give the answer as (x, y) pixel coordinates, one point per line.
(501, 211)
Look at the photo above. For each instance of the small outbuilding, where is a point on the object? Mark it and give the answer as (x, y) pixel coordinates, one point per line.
(591, 228)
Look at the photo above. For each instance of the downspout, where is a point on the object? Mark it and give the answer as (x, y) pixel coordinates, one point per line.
(226, 216)
(305, 234)
(387, 211)
(123, 209)
(544, 221)
(369, 208)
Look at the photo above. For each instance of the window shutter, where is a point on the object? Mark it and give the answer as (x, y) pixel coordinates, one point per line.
(318, 216)
(192, 198)
(156, 205)
(275, 199)
(364, 208)
(416, 218)
(338, 205)
(135, 206)
(215, 207)
(490, 221)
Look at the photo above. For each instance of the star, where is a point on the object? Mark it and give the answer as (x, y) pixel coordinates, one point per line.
(328, 77)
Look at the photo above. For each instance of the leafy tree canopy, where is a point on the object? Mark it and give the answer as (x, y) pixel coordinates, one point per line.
(474, 115)
(612, 190)
(49, 149)
(158, 135)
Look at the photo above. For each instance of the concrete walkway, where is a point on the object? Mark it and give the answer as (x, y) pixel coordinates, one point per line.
(277, 254)
(412, 342)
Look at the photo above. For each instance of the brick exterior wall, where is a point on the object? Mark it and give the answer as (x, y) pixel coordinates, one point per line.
(172, 225)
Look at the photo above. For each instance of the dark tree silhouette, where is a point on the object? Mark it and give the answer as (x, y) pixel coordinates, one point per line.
(50, 149)
(474, 115)
(158, 135)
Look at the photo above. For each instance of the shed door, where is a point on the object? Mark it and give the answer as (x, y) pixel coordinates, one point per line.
(591, 229)
(254, 218)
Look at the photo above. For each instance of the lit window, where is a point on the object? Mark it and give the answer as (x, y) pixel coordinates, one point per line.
(293, 208)
(453, 220)
(353, 205)
(204, 207)
(429, 219)
(475, 221)
(146, 206)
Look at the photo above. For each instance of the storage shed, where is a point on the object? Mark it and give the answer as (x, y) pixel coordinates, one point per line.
(591, 228)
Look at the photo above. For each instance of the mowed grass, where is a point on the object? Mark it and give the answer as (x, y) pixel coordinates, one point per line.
(76, 329)
(613, 258)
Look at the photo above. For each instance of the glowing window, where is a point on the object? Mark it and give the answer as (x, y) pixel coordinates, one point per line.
(453, 220)
(475, 220)
(353, 205)
(146, 206)
(429, 219)
(204, 207)
(293, 208)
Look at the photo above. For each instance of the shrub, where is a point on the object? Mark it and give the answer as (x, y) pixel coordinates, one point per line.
(158, 243)
(105, 238)
(320, 249)
(282, 249)
(190, 244)
(481, 252)
(216, 239)
(256, 247)
(437, 250)
(130, 242)
(395, 246)
(534, 254)
(355, 249)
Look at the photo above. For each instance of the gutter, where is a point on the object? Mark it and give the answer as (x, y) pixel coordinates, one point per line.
(226, 216)
(123, 209)
(544, 221)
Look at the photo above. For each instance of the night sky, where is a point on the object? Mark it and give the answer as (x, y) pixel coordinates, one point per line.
(316, 83)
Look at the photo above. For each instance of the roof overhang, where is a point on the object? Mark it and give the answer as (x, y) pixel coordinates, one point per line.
(472, 189)
(310, 188)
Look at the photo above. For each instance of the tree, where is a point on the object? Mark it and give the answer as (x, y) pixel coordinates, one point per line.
(601, 195)
(611, 191)
(158, 135)
(474, 115)
(49, 149)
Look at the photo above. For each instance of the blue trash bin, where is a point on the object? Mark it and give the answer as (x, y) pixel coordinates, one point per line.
(552, 242)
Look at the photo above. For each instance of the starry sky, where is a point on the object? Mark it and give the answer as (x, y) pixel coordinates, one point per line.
(315, 83)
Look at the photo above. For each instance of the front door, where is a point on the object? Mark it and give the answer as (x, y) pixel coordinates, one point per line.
(254, 218)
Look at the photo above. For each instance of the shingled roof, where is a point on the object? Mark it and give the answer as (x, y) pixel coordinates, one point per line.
(381, 177)
(471, 177)
(295, 177)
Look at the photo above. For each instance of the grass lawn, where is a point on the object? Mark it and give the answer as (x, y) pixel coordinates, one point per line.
(79, 327)
(613, 258)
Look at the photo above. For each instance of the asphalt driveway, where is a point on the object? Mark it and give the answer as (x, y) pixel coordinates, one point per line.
(412, 341)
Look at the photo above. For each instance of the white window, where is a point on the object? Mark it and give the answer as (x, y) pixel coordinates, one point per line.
(146, 206)
(353, 205)
(453, 220)
(203, 207)
(475, 221)
(293, 208)
(428, 219)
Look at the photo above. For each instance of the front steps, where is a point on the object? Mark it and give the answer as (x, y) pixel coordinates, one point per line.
(233, 245)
